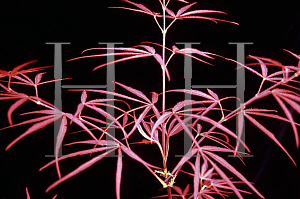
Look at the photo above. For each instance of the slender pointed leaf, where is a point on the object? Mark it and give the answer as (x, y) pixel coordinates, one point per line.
(78, 122)
(59, 140)
(83, 152)
(119, 173)
(170, 12)
(186, 190)
(138, 121)
(268, 133)
(14, 107)
(193, 92)
(27, 193)
(123, 59)
(290, 117)
(134, 91)
(78, 170)
(197, 176)
(32, 129)
(38, 78)
(160, 121)
(112, 93)
(184, 8)
(201, 12)
(141, 6)
(224, 163)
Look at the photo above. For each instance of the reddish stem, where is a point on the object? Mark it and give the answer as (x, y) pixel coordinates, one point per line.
(169, 193)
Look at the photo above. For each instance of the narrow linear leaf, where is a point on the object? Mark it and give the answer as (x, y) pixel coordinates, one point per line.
(295, 55)
(170, 12)
(162, 64)
(249, 111)
(186, 190)
(112, 93)
(286, 93)
(23, 81)
(27, 193)
(194, 51)
(201, 12)
(142, 132)
(187, 131)
(183, 1)
(159, 122)
(268, 133)
(193, 92)
(109, 116)
(134, 91)
(154, 97)
(78, 111)
(83, 152)
(79, 169)
(125, 119)
(197, 176)
(203, 168)
(32, 129)
(208, 174)
(223, 175)
(141, 6)
(148, 48)
(95, 142)
(22, 66)
(83, 96)
(59, 140)
(30, 121)
(263, 66)
(240, 129)
(119, 173)
(96, 120)
(292, 104)
(138, 121)
(181, 104)
(106, 54)
(177, 189)
(116, 48)
(183, 160)
(209, 18)
(38, 78)
(216, 149)
(184, 8)
(79, 123)
(220, 126)
(178, 127)
(213, 94)
(123, 59)
(290, 117)
(14, 107)
(224, 163)
(33, 69)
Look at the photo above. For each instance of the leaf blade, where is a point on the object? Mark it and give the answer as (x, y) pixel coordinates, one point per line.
(119, 173)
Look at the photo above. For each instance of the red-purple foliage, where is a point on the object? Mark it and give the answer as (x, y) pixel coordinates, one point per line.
(209, 174)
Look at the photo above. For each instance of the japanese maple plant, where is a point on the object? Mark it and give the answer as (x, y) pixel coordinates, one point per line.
(156, 121)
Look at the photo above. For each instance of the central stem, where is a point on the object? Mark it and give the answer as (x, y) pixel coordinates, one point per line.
(164, 79)
(164, 91)
(164, 33)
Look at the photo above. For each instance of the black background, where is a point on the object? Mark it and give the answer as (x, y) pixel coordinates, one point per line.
(27, 26)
